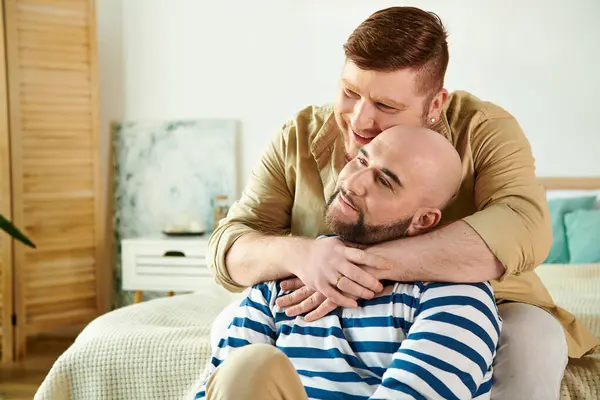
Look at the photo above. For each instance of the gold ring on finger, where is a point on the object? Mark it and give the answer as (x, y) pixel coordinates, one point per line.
(339, 278)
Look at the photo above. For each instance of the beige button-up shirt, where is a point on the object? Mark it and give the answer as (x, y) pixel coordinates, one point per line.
(499, 198)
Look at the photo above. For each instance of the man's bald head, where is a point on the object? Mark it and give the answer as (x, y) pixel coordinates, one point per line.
(397, 185)
(428, 157)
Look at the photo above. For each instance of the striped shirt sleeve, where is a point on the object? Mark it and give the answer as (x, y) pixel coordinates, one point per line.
(253, 323)
(450, 347)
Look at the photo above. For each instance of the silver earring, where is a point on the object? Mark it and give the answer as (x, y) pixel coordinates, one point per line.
(433, 120)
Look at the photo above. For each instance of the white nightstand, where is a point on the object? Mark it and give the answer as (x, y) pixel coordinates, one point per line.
(165, 264)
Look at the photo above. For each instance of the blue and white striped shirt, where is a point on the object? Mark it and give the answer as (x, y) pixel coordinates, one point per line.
(418, 340)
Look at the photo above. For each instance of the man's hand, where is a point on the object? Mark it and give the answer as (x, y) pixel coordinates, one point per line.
(303, 300)
(336, 271)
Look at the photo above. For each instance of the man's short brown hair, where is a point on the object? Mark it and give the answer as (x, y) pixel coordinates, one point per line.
(402, 37)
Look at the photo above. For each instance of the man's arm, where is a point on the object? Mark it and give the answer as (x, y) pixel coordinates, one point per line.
(511, 232)
(450, 347)
(450, 254)
(243, 248)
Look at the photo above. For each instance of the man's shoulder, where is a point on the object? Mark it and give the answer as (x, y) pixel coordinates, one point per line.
(440, 289)
(468, 116)
(463, 106)
(308, 124)
(313, 116)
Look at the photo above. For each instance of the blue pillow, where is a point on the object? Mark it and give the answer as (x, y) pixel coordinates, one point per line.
(559, 207)
(583, 236)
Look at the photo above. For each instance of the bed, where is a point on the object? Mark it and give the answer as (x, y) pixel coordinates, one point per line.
(159, 349)
(576, 287)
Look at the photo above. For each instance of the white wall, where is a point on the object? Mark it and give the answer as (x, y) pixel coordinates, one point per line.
(259, 61)
(109, 15)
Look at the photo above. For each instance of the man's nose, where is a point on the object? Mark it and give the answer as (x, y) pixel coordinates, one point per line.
(362, 117)
(358, 182)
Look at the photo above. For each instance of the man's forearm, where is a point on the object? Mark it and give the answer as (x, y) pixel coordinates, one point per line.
(256, 258)
(454, 253)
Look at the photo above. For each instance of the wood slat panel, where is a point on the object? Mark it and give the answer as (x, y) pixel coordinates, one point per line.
(55, 65)
(60, 292)
(83, 194)
(50, 15)
(51, 175)
(58, 109)
(57, 4)
(79, 54)
(34, 42)
(69, 274)
(49, 117)
(49, 38)
(59, 205)
(33, 134)
(60, 81)
(74, 143)
(59, 30)
(52, 125)
(52, 217)
(48, 259)
(54, 111)
(49, 322)
(32, 97)
(6, 250)
(56, 186)
(77, 51)
(48, 90)
(53, 154)
(59, 309)
(66, 242)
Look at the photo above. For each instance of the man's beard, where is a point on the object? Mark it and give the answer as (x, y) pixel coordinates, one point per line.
(361, 233)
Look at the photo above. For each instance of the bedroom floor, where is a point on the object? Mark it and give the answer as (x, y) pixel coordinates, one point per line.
(20, 381)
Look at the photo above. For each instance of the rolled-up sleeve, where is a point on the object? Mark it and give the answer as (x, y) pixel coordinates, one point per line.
(512, 217)
(264, 207)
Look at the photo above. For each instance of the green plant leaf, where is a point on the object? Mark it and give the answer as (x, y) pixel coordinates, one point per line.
(13, 231)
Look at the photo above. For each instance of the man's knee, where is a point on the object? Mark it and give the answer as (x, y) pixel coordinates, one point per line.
(256, 371)
(532, 354)
(529, 330)
(261, 356)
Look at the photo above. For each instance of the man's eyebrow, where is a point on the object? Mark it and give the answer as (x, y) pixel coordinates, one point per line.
(350, 86)
(386, 171)
(387, 102)
(390, 103)
(392, 176)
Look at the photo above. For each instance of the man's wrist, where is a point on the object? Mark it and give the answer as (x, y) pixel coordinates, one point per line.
(390, 250)
(290, 249)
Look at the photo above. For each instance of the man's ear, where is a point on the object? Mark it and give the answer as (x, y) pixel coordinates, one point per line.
(437, 104)
(424, 220)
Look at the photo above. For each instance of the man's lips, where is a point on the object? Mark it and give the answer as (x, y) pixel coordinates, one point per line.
(347, 202)
(362, 139)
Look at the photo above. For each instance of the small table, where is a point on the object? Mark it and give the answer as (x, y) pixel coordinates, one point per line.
(165, 264)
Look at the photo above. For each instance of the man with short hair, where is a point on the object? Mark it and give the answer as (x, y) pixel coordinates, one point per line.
(409, 340)
(496, 229)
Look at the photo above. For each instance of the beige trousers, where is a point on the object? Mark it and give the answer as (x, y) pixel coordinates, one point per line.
(530, 364)
(255, 372)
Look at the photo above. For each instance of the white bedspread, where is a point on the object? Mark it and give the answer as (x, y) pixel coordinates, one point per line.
(153, 350)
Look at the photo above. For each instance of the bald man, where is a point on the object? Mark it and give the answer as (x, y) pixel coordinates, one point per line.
(406, 340)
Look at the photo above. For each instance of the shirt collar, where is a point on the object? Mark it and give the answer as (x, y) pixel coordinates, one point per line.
(328, 151)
